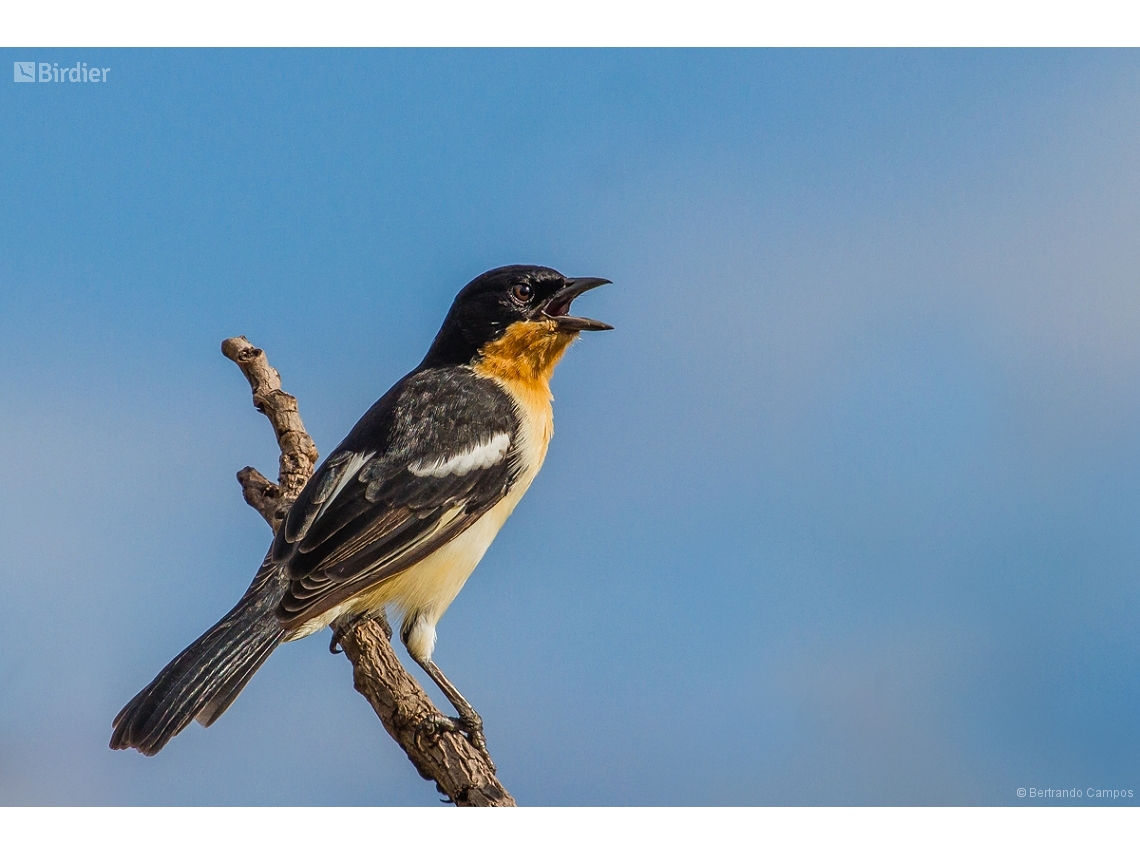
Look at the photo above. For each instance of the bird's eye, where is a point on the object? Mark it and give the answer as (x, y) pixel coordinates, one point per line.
(522, 293)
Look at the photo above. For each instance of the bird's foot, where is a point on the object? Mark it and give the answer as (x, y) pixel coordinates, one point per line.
(339, 630)
(470, 727)
(343, 626)
(433, 724)
(385, 627)
(471, 724)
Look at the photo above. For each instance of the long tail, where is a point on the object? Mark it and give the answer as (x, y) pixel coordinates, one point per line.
(206, 677)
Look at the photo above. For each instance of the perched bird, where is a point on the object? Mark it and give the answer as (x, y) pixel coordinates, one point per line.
(404, 508)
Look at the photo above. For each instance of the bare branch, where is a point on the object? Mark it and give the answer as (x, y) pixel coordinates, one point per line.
(460, 771)
(298, 452)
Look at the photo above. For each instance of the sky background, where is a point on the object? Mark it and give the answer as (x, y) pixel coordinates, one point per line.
(844, 512)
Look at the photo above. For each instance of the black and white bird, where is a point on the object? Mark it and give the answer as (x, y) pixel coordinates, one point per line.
(399, 515)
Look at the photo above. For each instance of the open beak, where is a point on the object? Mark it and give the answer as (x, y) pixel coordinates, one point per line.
(557, 308)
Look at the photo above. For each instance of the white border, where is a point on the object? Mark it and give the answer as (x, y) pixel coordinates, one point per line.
(569, 23)
(600, 23)
(571, 830)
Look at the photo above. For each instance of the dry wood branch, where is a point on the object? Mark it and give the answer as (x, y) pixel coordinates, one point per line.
(298, 453)
(460, 771)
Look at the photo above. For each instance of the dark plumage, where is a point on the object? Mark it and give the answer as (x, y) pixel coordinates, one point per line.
(402, 510)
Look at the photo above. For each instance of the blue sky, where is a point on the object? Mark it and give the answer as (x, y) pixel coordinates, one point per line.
(844, 511)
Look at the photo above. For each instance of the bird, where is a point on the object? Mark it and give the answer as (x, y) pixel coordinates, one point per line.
(401, 512)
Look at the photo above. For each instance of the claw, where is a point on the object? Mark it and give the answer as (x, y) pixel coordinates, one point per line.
(339, 629)
(386, 627)
(469, 721)
(434, 724)
(342, 626)
(472, 728)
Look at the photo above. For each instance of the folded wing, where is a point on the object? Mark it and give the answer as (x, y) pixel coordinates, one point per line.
(422, 466)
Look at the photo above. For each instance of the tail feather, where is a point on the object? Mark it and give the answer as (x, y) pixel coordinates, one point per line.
(205, 678)
(228, 693)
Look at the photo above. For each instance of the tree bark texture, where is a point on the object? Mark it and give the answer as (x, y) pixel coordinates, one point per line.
(462, 773)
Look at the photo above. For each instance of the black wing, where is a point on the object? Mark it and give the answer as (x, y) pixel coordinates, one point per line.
(419, 468)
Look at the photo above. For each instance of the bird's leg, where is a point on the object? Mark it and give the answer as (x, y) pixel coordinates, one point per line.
(469, 721)
(342, 625)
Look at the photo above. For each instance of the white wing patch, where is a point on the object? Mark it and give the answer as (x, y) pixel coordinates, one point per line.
(347, 473)
(481, 456)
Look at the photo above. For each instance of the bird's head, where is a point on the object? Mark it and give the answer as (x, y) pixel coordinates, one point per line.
(516, 315)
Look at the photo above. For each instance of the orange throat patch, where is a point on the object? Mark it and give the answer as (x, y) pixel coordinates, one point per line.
(524, 356)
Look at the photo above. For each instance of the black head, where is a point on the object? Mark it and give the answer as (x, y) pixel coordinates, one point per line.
(490, 304)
